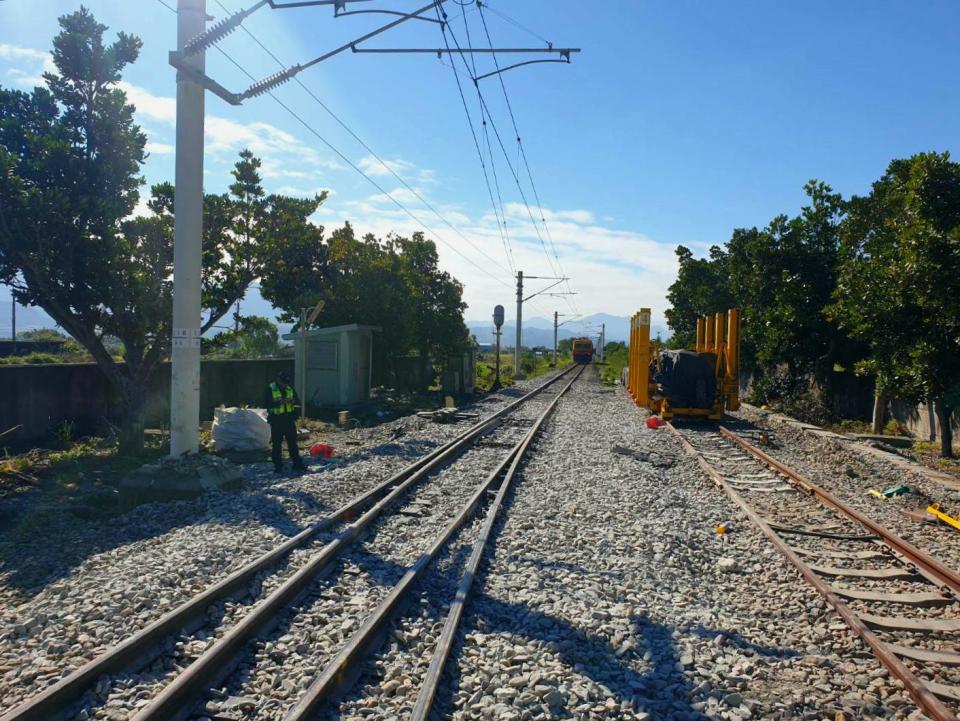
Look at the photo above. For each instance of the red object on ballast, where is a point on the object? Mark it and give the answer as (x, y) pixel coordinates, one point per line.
(655, 422)
(322, 450)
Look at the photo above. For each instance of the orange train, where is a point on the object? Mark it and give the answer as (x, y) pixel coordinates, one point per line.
(582, 350)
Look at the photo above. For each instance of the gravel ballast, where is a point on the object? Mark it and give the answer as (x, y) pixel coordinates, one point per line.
(606, 592)
(70, 587)
(609, 595)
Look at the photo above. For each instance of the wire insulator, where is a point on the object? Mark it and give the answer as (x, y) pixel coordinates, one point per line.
(215, 34)
(271, 82)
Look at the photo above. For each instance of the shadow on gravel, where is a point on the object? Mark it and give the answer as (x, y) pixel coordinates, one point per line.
(662, 690)
(735, 639)
(42, 541)
(45, 543)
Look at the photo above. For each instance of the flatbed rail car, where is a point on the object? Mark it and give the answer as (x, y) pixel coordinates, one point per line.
(582, 350)
(699, 383)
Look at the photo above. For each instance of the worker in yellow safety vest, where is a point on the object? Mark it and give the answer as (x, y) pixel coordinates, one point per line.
(281, 402)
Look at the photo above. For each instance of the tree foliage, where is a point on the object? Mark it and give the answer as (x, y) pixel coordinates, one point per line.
(899, 281)
(70, 159)
(394, 283)
(256, 337)
(871, 283)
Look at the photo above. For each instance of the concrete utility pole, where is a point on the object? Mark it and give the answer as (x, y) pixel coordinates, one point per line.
(516, 349)
(188, 233)
(603, 339)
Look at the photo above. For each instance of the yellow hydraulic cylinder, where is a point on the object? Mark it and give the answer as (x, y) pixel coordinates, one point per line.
(731, 381)
(718, 340)
(643, 357)
(700, 342)
(708, 342)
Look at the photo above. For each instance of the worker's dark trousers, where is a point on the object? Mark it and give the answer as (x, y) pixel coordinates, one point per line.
(280, 429)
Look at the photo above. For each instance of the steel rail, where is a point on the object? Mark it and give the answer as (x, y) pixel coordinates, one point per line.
(174, 701)
(339, 673)
(924, 697)
(942, 574)
(431, 683)
(142, 647)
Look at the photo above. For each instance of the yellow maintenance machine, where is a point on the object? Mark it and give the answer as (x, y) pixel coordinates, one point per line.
(700, 383)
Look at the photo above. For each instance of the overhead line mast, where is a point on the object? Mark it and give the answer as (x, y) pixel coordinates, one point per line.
(193, 39)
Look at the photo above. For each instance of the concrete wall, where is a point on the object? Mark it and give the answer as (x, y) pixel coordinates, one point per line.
(41, 397)
(922, 422)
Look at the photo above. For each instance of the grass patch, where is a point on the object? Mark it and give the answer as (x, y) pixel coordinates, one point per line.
(616, 360)
(530, 365)
(91, 460)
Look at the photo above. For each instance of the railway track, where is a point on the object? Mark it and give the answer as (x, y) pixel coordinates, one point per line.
(902, 602)
(176, 685)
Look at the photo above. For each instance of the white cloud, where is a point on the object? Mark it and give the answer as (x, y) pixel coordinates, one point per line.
(373, 167)
(612, 270)
(29, 64)
(150, 106)
(159, 148)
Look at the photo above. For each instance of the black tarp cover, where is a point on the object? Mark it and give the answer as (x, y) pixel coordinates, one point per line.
(687, 378)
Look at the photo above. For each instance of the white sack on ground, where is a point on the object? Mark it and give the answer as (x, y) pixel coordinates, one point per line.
(240, 429)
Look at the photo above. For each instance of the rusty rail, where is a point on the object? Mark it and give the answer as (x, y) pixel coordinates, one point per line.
(944, 576)
(925, 699)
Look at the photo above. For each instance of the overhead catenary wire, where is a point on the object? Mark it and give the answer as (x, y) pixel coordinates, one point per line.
(366, 147)
(522, 151)
(466, 109)
(485, 111)
(353, 165)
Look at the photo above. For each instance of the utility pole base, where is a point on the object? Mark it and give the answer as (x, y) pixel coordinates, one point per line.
(178, 479)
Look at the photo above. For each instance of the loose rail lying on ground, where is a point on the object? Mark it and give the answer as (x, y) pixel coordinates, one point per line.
(924, 693)
(142, 647)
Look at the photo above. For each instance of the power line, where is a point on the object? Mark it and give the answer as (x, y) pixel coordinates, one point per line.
(517, 24)
(521, 149)
(501, 226)
(353, 165)
(366, 147)
(486, 110)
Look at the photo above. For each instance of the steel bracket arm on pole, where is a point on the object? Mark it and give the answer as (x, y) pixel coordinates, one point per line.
(176, 60)
(562, 52)
(337, 4)
(267, 84)
(501, 71)
(387, 12)
(559, 281)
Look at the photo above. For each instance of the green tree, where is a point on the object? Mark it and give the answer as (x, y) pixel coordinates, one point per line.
(70, 158)
(701, 287)
(436, 299)
(256, 337)
(42, 334)
(395, 284)
(899, 282)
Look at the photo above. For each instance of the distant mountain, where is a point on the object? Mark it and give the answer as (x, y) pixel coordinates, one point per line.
(538, 331)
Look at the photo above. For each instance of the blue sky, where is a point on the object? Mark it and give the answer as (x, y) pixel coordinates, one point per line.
(678, 122)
